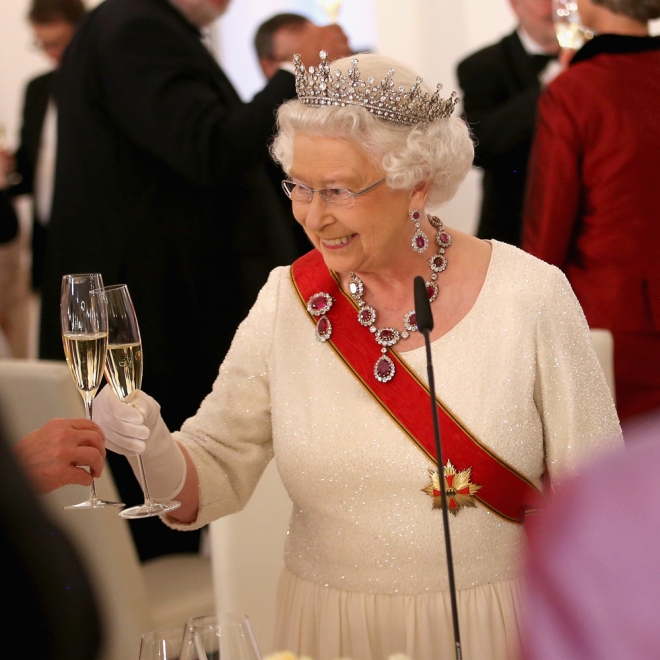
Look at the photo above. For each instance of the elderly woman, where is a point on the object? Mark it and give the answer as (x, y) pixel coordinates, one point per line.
(593, 195)
(327, 375)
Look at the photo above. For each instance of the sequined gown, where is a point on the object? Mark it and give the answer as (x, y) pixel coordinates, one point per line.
(365, 572)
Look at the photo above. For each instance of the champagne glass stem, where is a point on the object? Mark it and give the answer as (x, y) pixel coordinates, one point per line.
(89, 398)
(143, 477)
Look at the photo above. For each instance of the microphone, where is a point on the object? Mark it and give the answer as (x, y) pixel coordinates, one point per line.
(423, 313)
(424, 322)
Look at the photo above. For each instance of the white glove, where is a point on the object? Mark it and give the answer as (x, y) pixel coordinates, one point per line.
(138, 428)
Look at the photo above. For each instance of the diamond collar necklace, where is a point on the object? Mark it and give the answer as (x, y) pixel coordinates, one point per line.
(320, 303)
(384, 368)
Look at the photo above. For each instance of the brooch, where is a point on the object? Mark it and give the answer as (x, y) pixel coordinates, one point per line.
(458, 488)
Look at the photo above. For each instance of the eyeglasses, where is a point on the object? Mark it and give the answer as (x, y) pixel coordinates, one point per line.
(300, 194)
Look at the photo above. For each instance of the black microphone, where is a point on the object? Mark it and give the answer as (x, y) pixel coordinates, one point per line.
(424, 322)
(422, 306)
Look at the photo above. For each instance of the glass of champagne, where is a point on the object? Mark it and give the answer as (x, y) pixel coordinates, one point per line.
(84, 318)
(571, 34)
(331, 8)
(123, 370)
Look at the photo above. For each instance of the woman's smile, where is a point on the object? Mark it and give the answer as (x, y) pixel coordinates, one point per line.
(337, 243)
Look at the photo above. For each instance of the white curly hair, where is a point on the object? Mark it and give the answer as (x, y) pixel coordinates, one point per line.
(440, 153)
(639, 10)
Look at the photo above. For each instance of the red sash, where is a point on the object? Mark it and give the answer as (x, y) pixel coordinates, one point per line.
(406, 399)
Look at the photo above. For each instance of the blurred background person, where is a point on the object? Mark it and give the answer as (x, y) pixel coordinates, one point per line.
(276, 41)
(160, 184)
(8, 232)
(501, 86)
(593, 196)
(53, 23)
(593, 586)
(30, 170)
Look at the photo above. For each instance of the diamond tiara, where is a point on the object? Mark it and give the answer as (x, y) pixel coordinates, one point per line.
(320, 87)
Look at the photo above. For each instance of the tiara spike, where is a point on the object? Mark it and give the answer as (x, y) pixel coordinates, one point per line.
(318, 86)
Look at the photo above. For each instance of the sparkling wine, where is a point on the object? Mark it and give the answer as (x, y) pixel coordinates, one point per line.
(123, 369)
(569, 35)
(85, 355)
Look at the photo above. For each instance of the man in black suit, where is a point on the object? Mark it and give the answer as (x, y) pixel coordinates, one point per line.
(53, 23)
(160, 184)
(501, 85)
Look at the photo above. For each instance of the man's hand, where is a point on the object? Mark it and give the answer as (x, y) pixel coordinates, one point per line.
(52, 455)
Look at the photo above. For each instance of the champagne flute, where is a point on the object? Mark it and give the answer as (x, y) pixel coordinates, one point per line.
(123, 370)
(331, 8)
(571, 34)
(84, 319)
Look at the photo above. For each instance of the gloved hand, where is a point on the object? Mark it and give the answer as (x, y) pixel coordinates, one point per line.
(138, 428)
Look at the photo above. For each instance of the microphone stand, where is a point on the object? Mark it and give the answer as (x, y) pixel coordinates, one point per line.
(424, 319)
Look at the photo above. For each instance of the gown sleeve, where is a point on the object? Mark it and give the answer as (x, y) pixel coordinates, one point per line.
(230, 439)
(576, 407)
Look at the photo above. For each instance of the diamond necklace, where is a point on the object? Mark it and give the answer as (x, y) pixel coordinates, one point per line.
(384, 368)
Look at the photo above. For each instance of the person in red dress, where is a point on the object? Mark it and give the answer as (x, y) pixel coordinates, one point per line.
(593, 197)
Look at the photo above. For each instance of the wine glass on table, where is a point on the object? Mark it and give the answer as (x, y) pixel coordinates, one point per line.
(162, 644)
(84, 319)
(123, 370)
(237, 640)
(226, 636)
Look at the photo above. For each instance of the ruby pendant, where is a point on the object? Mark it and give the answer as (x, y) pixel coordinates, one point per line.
(420, 241)
(323, 329)
(384, 369)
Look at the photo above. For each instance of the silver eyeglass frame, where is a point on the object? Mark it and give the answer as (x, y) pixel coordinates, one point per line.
(323, 192)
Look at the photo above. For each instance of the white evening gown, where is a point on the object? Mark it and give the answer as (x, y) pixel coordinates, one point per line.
(365, 562)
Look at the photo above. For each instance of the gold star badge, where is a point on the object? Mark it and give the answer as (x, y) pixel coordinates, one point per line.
(458, 489)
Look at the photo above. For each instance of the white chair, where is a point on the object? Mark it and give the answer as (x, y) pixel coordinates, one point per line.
(604, 346)
(133, 598)
(248, 556)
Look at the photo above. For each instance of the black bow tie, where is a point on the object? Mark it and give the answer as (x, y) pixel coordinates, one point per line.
(539, 61)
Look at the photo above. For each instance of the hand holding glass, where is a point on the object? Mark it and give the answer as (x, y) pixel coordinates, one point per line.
(84, 319)
(123, 370)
